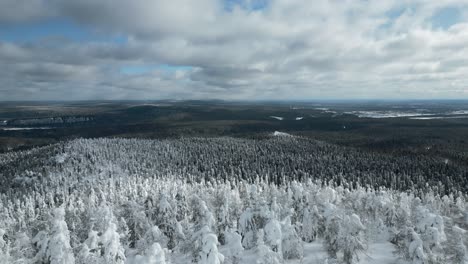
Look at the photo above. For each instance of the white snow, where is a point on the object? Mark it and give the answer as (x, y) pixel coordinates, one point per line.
(281, 134)
(438, 117)
(459, 112)
(23, 128)
(277, 117)
(50, 120)
(273, 233)
(325, 110)
(262, 223)
(60, 158)
(378, 253)
(299, 118)
(421, 114)
(385, 114)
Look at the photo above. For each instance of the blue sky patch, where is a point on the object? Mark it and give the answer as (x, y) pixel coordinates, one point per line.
(446, 17)
(252, 5)
(52, 29)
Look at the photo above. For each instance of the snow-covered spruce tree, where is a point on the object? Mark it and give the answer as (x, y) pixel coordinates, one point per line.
(431, 229)
(332, 229)
(298, 202)
(152, 236)
(223, 222)
(22, 248)
(247, 229)
(113, 251)
(4, 248)
(209, 253)
(74, 216)
(203, 222)
(90, 251)
(136, 220)
(390, 214)
(41, 243)
(432, 244)
(416, 252)
(156, 255)
(460, 252)
(202, 216)
(166, 221)
(273, 235)
(48, 241)
(182, 209)
(234, 245)
(310, 222)
(58, 249)
(255, 216)
(84, 256)
(291, 243)
(264, 253)
(152, 255)
(350, 238)
(99, 216)
(124, 232)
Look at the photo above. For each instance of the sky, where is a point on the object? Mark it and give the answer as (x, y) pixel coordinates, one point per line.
(233, 49)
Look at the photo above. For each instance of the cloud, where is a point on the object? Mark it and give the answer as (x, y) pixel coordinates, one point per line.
(21, 11)
(273, 49)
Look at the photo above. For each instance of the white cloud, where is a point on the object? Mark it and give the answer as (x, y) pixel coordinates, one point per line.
(290, 49)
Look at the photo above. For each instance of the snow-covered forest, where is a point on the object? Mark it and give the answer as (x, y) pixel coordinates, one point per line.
(226, 200)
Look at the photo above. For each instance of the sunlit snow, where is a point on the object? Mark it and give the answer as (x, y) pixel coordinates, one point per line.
(277, 117)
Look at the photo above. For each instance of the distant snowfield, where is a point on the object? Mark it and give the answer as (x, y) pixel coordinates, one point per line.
(23, 128)
(280, 118)
(325, 110)
(386, 114)
(277, 117)
(459, 112)
(281, 134)
(420, 114)
(438, 117)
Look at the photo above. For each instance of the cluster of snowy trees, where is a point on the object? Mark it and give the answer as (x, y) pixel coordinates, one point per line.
(142, 201)
(277, 160)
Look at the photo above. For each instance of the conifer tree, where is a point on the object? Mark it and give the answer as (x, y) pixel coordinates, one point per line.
(58, 249)
(350, 238)
(291, 244)
(234, 245)
(264, 252)
(113, 251)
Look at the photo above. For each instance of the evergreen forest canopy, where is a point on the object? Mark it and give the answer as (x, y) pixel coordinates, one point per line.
(227, 200)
